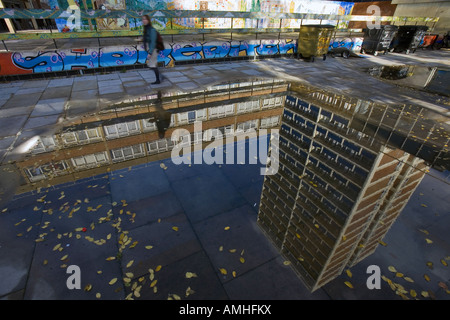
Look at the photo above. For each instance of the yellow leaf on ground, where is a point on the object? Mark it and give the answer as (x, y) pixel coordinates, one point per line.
(430, 264)
(98, 295)
(148, 247)
(108, 236)
(190, 275)
(65, 257)
(399, 275)
(425, 294)
(424, 205)
(226, 228)
(409, 279)
(392, 269)
(349, 273)
(153, 283)
(175, 228)
(88, 287)
(413, 293)
(130, 263)
(241, 259)
(129, 274)
(232, 250)
(384, 244)
(223, 271)
(110, 258)
(234, 274)
(348, 284)
(113, 281)
(426, 277)
(444, 262)
(56, 247)
(126, 280)
(158, 268)
(428, 241)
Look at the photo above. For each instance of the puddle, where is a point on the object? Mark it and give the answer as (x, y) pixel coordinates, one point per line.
(108, 186)
(430, 79)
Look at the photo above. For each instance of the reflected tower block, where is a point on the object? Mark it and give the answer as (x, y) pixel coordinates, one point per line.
(337, 191)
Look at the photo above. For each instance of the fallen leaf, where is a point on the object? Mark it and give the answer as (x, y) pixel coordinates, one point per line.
(189, 291)
(126, 280)
(430, 264)
(148, 247)
(234, 274)
(424, 205)
(98, 295)
(232, 250)
(190, 275)
(392, 269)
(384, 244)
(129, 274)
(413, 293)
(56, 247)
(175, 228)
(226, 228)
(399, 275)
(444, 262)
(442, 285)
(425, 294)
(64, 257)
(348, 284)
(158, 268)
(108, 236)
(221, 248)
(428, 241)
(349, 273)
(409, 279)
(223, 271)
(153, 283)
(113, 281)
(133, 245)
(110, 258)
(242, 260)
(426, 277)
(88, 287)
(130, 263)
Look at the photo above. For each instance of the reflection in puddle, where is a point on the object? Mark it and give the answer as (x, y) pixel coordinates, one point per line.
(432, 79)
(347, 167)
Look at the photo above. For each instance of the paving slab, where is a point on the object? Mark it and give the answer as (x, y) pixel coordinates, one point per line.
(48, 107)
(234, 242)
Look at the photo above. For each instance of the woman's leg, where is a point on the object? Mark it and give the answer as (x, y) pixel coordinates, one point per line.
(156, 71)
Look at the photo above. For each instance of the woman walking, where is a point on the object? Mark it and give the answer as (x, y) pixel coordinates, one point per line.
(150, 37)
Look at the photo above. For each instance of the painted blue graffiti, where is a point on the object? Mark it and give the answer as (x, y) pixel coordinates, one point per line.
(62, 60)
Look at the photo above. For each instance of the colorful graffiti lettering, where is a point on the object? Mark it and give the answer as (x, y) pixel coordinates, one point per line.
(73, 59)
(353, 44)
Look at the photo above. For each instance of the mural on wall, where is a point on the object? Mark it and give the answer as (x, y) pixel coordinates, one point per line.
(287, 6)
(73, 59)
(111, 23)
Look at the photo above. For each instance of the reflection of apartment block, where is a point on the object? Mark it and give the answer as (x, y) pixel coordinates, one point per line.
(129, 134)
(336, 193)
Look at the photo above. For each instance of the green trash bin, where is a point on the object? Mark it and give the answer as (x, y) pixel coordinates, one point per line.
(314, 41)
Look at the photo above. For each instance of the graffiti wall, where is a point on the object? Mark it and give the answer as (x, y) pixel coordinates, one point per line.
(73, 59)
(353, 44)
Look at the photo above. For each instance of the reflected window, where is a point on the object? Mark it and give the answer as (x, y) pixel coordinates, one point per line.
(159, 146)
(128, 152)
(90, 160)
(269, 122)
(44, 144)
(81, 136)
(221, 111)
(46, 170)
(122, 129)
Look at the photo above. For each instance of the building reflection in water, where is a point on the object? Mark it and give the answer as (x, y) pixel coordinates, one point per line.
(347, 167)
